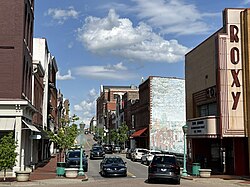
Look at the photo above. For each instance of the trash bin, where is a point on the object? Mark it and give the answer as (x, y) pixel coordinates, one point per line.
(60, 169)
(195, 169)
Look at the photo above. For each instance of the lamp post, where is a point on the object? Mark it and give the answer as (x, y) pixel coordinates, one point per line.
(185, 129)
(81, 172)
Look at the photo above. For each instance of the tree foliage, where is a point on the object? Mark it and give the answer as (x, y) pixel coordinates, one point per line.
(123, 134)
(65, 137)
(7, 152)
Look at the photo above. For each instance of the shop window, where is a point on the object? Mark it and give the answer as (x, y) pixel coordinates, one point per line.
(209, 109)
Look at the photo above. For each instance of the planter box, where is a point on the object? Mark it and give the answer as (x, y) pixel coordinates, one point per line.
(205, 173)
(22, 176)
(71, 172)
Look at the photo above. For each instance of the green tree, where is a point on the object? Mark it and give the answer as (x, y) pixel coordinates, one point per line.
(123, 134)
(7, 153)
(113, 135)
(66, 135)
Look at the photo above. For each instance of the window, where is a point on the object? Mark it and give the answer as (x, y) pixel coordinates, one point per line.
(207, 109)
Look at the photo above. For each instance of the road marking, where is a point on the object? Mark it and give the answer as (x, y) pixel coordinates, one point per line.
(131, 174)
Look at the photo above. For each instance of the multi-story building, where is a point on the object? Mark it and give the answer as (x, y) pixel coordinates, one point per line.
(217, 75)
(49, 109)
(129, 107)
(37, 102)
(16, 69)
(159, 118)
(106, 106)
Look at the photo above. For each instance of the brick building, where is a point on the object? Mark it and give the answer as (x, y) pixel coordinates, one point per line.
(160, 114)
(106, 106)
(16, 69)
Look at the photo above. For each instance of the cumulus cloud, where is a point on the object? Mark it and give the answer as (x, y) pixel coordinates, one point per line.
(105, 72)
(173, 16)
(246, 2)
(61, 15)
(64, 77)
(117, 36)
(86, 109)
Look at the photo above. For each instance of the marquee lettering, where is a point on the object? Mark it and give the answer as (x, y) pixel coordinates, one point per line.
(235, 77)
(234, 33)
(236, 99)
(235, 59)
(235, 55)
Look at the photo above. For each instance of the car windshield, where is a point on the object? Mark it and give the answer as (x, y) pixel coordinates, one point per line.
(97, 149)
(164, 160)
(114, 161)
(74, 154)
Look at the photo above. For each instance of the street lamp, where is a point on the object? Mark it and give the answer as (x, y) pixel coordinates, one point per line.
(185, 129)
(81, 172)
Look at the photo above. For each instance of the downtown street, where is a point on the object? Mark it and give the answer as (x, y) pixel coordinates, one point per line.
(137, 176)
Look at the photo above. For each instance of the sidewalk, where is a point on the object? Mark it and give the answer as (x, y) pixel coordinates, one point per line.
(240, 180)
(45, 173)
(48, 171)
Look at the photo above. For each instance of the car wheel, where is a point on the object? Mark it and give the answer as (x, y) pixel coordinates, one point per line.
(178, 181)
(149, 180)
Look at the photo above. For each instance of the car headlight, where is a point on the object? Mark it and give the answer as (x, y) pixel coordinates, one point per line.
(107, 169)
(123, 169)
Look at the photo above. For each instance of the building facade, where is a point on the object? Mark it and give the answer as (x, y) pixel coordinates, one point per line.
(106, 106)
(160, 114)
(49, 103)
(16, 69)
(217, 94)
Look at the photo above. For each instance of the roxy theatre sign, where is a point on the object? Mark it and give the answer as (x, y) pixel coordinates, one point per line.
(235, 59)
(230, 73)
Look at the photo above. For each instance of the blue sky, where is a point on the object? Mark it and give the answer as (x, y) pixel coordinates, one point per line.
(117, 42)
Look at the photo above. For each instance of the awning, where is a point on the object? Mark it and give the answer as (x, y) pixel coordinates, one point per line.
(44, 134)
(138, 133)
(31, 127)
(7, 124)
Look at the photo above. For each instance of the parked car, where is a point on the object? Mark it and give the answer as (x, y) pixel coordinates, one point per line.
(116, 149)
(137, 154)
(73, 159)
(108, 149)
(164, 167)
(97, 152)
(148, 156)
(113, 166)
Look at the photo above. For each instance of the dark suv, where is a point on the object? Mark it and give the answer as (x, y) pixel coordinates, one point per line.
(73, 159)
(164, 167)
(97, 152)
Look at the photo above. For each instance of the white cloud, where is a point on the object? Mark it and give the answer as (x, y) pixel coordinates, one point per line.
(117, 36)
(173, 16)
(246, 2)
(64, 77)
(61, 15)
(86, 109)
(117, 71)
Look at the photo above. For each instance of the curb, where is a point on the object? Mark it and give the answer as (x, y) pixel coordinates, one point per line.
(187, 177)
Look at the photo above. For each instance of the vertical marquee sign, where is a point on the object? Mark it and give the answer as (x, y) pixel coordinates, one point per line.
(230, 75)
